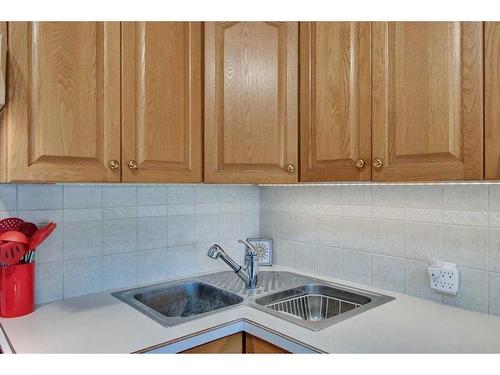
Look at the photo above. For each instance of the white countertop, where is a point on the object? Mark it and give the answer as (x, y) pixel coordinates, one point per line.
(100, 323)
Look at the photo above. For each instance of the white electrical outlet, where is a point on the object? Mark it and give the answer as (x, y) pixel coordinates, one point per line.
(444, 277)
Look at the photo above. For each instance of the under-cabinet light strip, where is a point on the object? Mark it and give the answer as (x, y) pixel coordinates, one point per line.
(368, 183)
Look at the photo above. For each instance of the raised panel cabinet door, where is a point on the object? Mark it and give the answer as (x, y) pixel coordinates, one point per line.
(427, 101)
(335, 101)
(492, 100)
(63, 117)
(162, 102)
(251, 95)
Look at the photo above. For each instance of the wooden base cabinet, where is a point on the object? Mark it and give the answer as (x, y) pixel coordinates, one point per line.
(238, 343)
(251, 114)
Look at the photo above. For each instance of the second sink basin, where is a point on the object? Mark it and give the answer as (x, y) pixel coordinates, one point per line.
(171, 304)
(316, 306)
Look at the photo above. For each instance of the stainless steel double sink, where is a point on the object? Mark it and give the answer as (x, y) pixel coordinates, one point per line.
(309, 302)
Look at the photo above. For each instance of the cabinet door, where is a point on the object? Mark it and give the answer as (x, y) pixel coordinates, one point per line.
(232, 344)
(63, 117)
(255, 345)
(335, 95)
(492, 100)
(162, 103)
(251, 114)
(427, 102)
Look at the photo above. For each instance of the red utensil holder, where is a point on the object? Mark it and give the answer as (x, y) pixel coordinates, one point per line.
(17, 290)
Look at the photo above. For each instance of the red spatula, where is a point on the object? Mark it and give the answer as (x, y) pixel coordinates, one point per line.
(11, 252)
(40, 235)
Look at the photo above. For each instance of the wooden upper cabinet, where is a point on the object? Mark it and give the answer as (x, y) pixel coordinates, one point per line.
(63, 115)
(162, 102)
(427, 100)
(335, 101)
(492, 100)
(251, 114)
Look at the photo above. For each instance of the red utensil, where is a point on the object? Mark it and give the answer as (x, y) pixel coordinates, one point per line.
(11, 223)
(28, 228)
(40, 236)
(14, 236)
(12, 252)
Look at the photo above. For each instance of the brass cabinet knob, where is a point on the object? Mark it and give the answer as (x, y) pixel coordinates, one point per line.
(360, 163)
(378, 163)
(114, 164)
(132, 164)
(290, 168)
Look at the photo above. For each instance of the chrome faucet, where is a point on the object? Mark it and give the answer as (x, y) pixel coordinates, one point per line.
(249, 273)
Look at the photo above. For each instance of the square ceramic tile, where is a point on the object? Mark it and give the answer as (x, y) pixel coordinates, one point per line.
(152, 232)
(284, 253)
(39, 197)
(180, 261)
(473, 291)
(82, 239)
(119, 196)
(120, 271)
(267, 224)
(181, 209)
(466, 246)
(423, 196)
(494, 293)
(328, 194)
(387, 196)
(306, 257)
(52, 249)
(207, 227)
(424, 215)
(356, 266)
(155, 195)
(8, 197)
(355, 233)
(181, 194)
(249, 224)
(180, 230)
(329, 230)
(119, 212)
(494, 250)
(423, 241)
(286, 194)
(466, 218)
(152, 266)
(306, 194)
(494, 198)
(387, 237)
(466, 197)
(145, 211)
(356, 211)
(250, 194)
(305, 228)
(396, 213)
(329, 261)
(119, 236)
(207, 194)
(356, 195)
(388, 273)
(82, 196)
(49, 282)
(82, 276)
(285, 226)
(230, 193)
(417, 281)
(229, 225)
(267, 194)
(42, 217)
(82, 214)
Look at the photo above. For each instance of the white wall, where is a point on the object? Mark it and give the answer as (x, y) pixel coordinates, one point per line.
(382, 235)
(118, 236)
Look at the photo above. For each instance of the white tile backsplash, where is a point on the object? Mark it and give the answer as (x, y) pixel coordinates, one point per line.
(118, 236)
(112, 236)
(386, 234)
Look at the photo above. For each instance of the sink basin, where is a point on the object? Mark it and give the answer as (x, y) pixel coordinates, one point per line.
(171, 304)
(317, 306)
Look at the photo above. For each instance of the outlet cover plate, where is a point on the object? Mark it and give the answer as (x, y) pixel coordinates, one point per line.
(444, 277)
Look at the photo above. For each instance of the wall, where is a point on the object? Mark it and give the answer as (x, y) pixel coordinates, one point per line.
(382, 236)
(118, 236)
